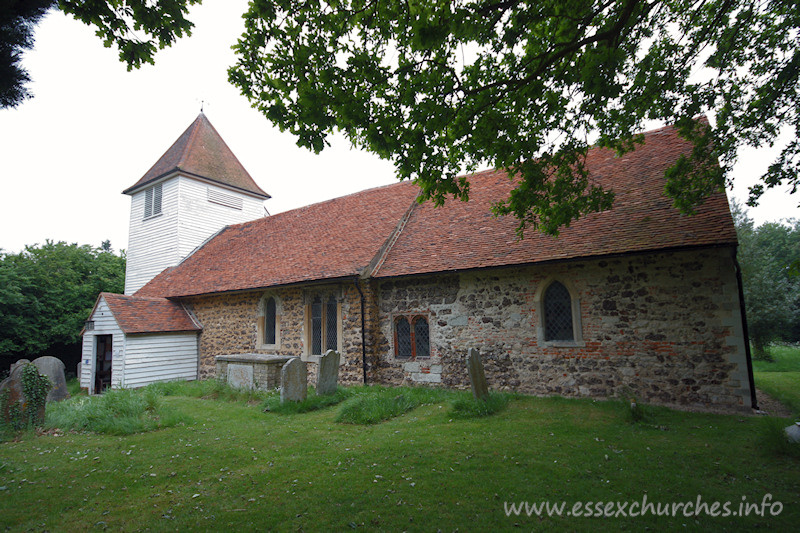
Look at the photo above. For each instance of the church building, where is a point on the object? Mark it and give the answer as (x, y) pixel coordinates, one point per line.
(638, 300)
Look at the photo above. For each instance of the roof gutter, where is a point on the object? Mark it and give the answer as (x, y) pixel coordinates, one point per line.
(745, 333)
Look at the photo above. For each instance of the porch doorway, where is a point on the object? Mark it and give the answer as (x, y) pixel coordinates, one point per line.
(102, 366)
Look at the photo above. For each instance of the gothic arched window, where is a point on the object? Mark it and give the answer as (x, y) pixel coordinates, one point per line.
(558, 324)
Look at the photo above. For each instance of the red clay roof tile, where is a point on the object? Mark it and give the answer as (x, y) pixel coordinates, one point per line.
(136, 314)
(328, 240)
(201, 152)
(341, 237)
(465, 235)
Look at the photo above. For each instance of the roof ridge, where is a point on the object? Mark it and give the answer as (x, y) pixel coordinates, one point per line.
(315, 204)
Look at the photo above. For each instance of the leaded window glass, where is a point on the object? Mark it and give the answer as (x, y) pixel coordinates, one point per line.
(316, 326)
(331, 328)
(403, 337)
(411, 337)
(557, 313)
(323, 324)
(269, 321)
(421, 338)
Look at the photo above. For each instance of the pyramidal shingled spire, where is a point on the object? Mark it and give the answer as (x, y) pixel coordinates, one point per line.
(200, 152)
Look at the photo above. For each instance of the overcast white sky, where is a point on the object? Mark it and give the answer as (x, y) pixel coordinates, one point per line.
(93, 129)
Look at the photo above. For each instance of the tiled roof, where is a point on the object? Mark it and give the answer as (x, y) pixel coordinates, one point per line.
(342, 237)
(201, 152)
(328, 240)
(148, 315)
(465, 235)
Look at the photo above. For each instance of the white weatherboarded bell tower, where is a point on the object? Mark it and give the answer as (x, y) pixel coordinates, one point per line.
(197, 188)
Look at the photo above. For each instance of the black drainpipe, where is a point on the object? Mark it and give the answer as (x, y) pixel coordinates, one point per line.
(746, 334)
(363, 335)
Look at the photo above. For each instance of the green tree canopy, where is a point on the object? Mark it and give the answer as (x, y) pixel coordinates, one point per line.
(48, 291)
(766, 255)
(138, 28)
(440, 87)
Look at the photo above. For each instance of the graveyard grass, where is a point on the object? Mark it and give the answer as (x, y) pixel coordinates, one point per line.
(780, 377)
(230, 464)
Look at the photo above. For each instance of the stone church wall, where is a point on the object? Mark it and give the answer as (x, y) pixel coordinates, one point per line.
(231, 326)
(664, 328)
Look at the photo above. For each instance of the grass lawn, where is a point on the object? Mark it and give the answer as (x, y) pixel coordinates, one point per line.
(781, 378)
(231, 465)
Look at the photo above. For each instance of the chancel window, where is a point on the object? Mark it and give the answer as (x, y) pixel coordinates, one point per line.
(558, 325)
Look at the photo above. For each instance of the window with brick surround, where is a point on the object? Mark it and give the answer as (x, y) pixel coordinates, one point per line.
(269, 321)
(411, 337)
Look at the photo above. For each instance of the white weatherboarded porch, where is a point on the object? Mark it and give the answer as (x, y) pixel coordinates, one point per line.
(132, 342)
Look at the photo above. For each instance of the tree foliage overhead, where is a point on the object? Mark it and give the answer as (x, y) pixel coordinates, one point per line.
(441, 86)
(138, 28)
(48, 291)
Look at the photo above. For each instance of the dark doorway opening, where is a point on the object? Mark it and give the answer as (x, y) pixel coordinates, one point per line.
(102, 367)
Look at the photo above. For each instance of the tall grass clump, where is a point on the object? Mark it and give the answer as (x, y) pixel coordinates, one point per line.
(466, 406)
(210, 389)
(74, 387)
(374, 404)
(313, 402)
(115, 412)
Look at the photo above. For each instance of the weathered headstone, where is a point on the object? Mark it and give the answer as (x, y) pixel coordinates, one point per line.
(240, 376)
(17, 364)
(53, 368)
(12, 384)
(16, 395)
(79, 370)
(477, 378)
(328, 373)
(793, 432)
(294, 381)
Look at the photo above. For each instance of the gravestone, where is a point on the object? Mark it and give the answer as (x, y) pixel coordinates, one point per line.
(17, 364)
(16, 395)
(53, 368)
(12, 384)
(240, 376)
(294, 381)
(477, 378)
(79, 370)
(328, 373)
(793, 432)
